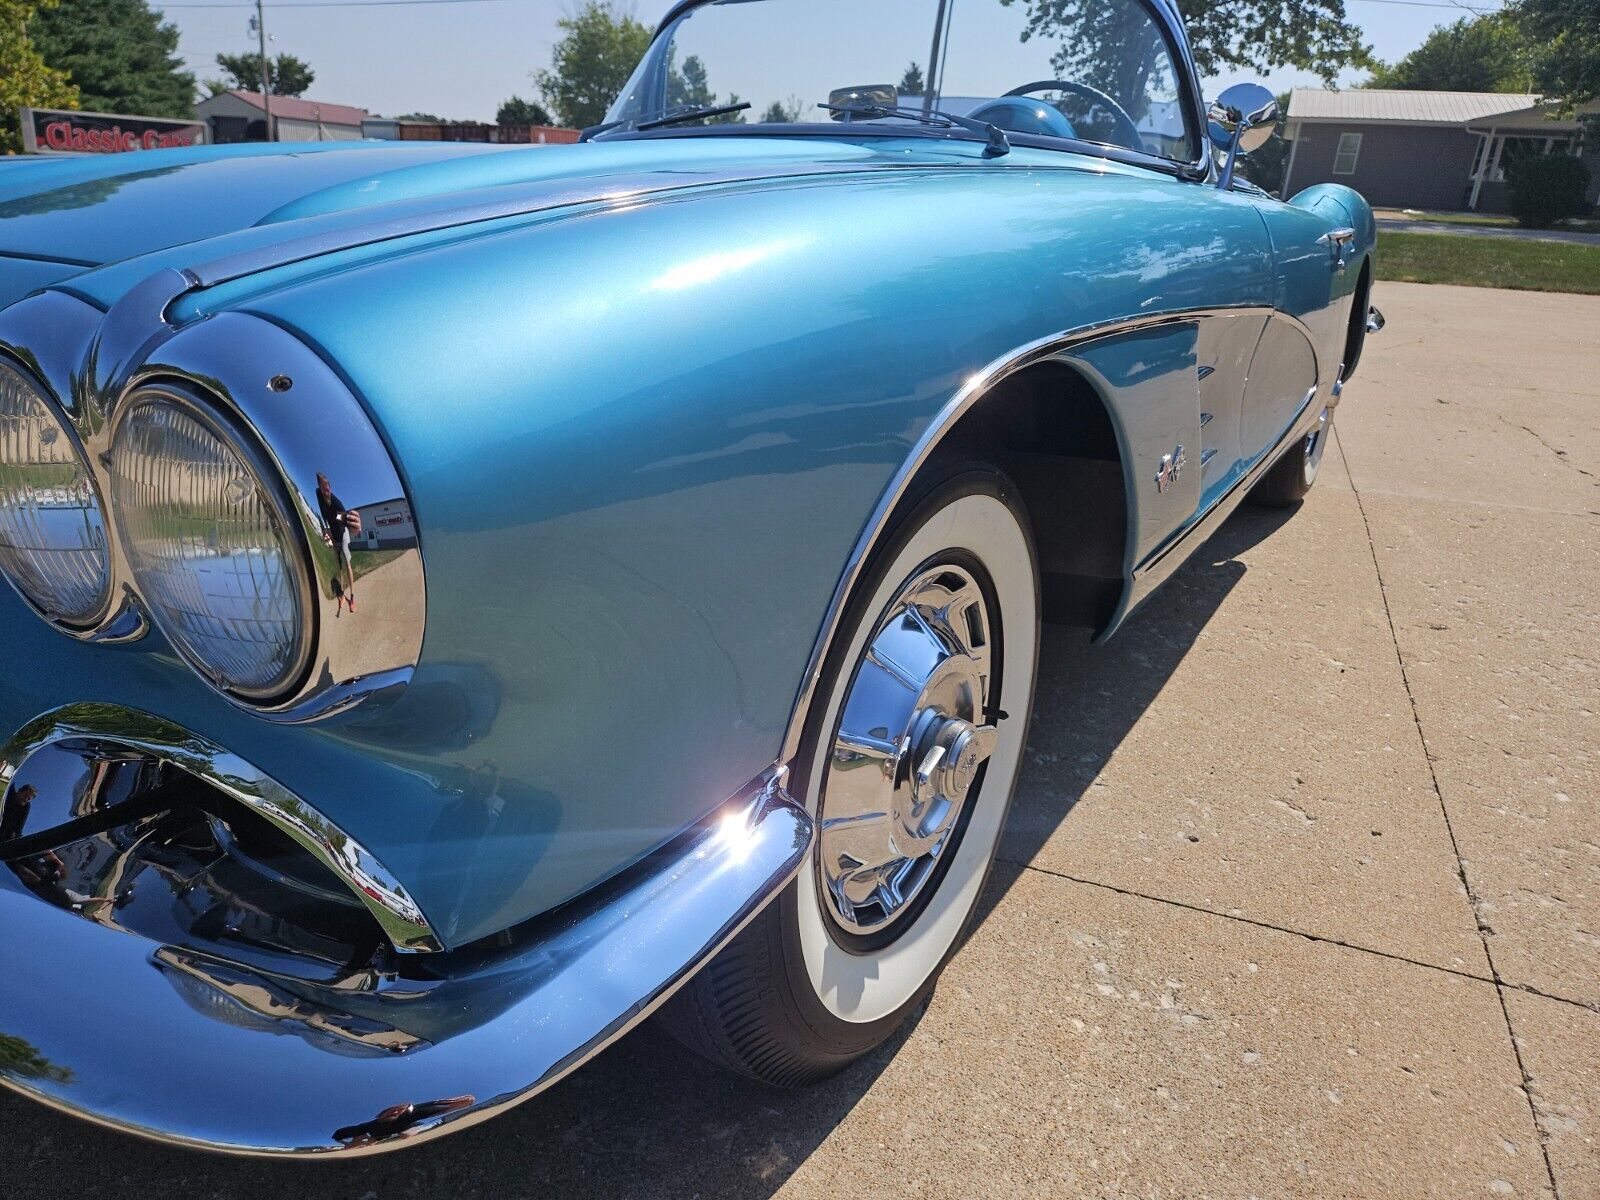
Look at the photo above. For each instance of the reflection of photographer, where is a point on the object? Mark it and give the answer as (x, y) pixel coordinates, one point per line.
(338, 524)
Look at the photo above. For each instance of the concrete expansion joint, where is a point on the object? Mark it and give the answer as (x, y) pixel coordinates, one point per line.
(1455, 846)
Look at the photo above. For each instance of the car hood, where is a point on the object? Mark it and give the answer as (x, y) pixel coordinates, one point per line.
(90, 212)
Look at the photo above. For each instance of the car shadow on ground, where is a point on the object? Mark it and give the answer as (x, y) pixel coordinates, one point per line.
(648, 1118)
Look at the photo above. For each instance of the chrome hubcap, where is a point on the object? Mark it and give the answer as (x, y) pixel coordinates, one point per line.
(1316, 443)
(912, 736)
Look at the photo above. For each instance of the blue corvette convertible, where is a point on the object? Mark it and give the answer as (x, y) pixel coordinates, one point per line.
(465, 599)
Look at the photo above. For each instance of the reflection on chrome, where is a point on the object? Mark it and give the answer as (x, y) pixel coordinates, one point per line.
(130, 775)
(399, 1120)
(222, 538)
(232, 994)
(52, 529)
(211, 544)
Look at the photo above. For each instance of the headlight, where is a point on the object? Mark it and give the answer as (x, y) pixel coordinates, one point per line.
(211, 544)
(52, 530)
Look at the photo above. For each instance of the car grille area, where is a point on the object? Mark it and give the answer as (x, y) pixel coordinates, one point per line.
(112, 835)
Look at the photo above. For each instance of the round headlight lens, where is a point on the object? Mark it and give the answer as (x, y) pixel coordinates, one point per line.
(52, 531)
(211, 550)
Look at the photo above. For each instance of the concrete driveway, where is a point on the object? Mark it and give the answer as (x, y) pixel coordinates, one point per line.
(1301, 895)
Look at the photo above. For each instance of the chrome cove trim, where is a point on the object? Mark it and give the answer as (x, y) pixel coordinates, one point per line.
(93, 362)
(1161, 562)
(977, 386)
(402, 921)
(479, 1032)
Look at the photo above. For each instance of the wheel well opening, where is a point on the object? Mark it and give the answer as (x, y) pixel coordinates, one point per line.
(1356, 338)
(1048, 429)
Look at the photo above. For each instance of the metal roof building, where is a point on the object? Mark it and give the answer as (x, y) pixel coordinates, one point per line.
(1425, 150)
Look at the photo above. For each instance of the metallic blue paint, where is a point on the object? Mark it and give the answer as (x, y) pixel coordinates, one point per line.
(19, 276)
(651, 402)
(637, 483)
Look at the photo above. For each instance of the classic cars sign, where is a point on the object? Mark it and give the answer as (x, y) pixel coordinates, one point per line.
(51, 131)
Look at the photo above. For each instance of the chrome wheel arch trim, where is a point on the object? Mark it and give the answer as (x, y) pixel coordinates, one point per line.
(92, 362)
(401, 918)
(976, 388)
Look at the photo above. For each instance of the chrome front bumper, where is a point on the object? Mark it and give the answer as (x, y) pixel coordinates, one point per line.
(189, 1048)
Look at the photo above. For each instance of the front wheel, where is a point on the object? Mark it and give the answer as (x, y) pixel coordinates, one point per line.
(908, 762)
(1290, 478)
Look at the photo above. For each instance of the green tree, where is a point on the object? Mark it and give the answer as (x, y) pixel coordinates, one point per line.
(1258, 35)
(1546, 188)
(599, 48)
(688, 87)
(1565, 39)
(790, 112)
(912, 83)
(25, 80)
(1483, 54)
(286, 74)
(120, 55)
(1267, 166)
(18, 1057)
(517, 111)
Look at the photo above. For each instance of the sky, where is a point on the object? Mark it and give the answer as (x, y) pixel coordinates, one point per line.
(461, 58)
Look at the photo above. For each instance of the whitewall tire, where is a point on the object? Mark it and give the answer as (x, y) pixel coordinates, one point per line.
(909, 759)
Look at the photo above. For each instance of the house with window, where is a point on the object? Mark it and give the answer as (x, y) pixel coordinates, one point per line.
(1427, 150)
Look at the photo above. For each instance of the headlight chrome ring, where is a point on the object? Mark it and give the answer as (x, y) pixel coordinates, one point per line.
(278, 566)
(211, 540)
(53, 541)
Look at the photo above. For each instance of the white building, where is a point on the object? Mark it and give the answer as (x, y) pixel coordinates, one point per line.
(386, 526)
(238, 116)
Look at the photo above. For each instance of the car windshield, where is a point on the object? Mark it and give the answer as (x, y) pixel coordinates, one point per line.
(1048, 72)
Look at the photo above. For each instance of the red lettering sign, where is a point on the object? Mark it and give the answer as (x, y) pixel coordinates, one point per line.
(90, 133)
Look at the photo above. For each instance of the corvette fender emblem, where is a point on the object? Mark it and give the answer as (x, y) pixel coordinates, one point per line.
(1171, 467)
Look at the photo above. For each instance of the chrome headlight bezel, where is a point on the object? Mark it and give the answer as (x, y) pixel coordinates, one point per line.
(291, 406)
(84, 623)
(237, 442)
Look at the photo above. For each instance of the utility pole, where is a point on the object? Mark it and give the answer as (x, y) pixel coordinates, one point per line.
(266, 90)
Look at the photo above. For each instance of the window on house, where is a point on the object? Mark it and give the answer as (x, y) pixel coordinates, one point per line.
(1344, 160)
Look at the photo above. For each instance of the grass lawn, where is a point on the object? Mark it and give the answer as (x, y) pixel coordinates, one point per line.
(1488, 262)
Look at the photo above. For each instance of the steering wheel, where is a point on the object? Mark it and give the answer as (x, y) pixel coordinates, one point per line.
(1127, 130)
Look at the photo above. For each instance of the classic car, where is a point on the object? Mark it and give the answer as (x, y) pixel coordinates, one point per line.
(469, 598)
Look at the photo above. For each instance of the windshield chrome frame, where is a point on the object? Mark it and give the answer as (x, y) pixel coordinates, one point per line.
(1163, 12)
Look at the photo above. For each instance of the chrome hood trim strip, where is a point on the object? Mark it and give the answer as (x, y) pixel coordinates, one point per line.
(189, 1050)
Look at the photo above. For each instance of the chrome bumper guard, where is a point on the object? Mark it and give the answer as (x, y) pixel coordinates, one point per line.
(185, 1047)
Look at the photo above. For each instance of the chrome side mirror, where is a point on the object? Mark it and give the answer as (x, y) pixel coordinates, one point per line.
(1242, 120)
